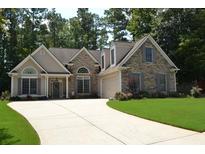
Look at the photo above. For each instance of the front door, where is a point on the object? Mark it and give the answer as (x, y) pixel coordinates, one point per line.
(56, 90)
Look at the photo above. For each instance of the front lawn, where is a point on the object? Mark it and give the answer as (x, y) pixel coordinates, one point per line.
(14, 128)
(188, 113)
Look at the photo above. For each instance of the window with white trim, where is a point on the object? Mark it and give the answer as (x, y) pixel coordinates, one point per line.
(162, 82)
(83, 84)
(149, 54)
(83, 70)
(29, 71)
(103, 61)
(29, 81)
(112, 56)
(134, 82)
(29, 86)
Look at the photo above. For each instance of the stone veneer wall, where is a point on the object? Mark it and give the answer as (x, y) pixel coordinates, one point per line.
(83, 60)
(149, 70)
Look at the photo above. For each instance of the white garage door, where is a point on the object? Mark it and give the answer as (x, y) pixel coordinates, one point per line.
(110, 85)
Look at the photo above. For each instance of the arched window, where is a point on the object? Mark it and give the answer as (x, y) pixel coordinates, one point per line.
(29, 80)
(29, 71)
(83, 81)
(83, 70)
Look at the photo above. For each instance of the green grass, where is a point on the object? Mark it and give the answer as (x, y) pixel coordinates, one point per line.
(188, 113)
(14, 128)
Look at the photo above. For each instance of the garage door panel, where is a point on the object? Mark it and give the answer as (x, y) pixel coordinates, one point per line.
(110, 85)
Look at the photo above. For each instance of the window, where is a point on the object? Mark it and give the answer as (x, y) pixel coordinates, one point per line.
(83, 70)
(83, 84)
(103, 62)
(148, 54)
(29, 71)
(25, 86)
(112, 57)
(29, 86)
(33, 86)
(162, 82)
(134, 80)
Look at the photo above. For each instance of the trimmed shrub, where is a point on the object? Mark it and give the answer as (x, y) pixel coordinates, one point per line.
(129, 95)
(174, 94)
(159, 95)
(43, 98)
(5, 95)
(16, 98)
(121, 96)
(195, 91)
(144, 94)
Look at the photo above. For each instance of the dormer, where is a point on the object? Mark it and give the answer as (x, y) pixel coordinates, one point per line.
(103, 61)
(112, 55)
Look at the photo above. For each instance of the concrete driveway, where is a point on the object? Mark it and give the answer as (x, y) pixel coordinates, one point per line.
(91, 121)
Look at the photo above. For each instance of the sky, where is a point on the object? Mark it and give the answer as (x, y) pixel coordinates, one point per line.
(71, 12)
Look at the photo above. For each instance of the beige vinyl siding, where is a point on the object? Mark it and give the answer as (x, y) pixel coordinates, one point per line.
(27, 64)
(15, 86)
(110, 85)
(47, 62)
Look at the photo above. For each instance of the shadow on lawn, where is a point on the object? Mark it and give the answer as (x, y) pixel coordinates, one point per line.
(6, 138)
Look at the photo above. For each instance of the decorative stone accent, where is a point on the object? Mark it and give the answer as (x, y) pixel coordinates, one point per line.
(83, 60)
(149, 70)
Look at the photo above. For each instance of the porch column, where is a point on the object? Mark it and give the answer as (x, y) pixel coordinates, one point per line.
(66, 86)
(12, 86)
(46, 86)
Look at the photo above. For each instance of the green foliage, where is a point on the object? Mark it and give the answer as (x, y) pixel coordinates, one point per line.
(195, 91)
(5, 95)
(186, 113)
(179, 32)
(121, 96)
(143, 21)
(14, 128)
(117, 20)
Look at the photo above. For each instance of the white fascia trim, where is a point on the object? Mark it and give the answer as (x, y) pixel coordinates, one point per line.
(115, 56)
(93, 58)
(56, 75)
(108, 71)
(103, 54)
(162, 52)
(43, 47)
(24, 61)
(82, 67)
(133, 50)
(38, 64)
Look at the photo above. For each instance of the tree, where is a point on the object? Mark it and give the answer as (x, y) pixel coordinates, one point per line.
(56, 24)
(33, 20)
(143, 21)
(8, 44)
(117, 20)
(191, 49)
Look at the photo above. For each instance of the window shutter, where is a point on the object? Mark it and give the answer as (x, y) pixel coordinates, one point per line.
(39, 86)
(142, 81)
(19, 86)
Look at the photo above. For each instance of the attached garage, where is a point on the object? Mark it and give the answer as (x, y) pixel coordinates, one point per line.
(110, 85)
